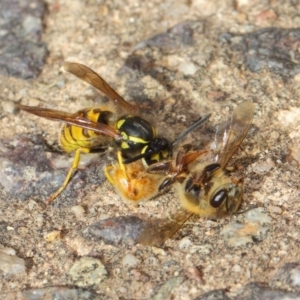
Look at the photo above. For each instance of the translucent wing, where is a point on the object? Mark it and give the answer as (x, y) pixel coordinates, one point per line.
(86, 74)
(72, 119)
(229, 138)
(158, 231)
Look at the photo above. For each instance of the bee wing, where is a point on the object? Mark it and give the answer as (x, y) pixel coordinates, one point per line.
(86, 74)
(228, 140)
(157, 232)
(72, 119)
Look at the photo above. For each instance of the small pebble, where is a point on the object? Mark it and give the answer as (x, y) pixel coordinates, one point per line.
(258, 215)
(275, 209)
(31, 204)
(78, 211)
(123, 290)
(129, 260)
(295, 277)
(253, 225)
(288, 276)
(87, 272)
(263, 167)
(201, 249)
(11, 264)
(165, 290)
(52, 236)
(8, 106)
(236, 268)
(188, 68)
(7, 250)
(39, 220)
(185, 243)
(289, 117)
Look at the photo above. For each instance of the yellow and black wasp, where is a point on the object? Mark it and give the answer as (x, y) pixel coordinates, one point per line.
(95, 127)
(202, 185)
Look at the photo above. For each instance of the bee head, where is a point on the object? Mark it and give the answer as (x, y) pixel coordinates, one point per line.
(229, 196)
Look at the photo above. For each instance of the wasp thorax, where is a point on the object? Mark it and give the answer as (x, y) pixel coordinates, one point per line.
(156, 150)
(136, 133)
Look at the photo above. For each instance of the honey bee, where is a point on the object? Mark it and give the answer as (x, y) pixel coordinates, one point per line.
(206, 189)
(94, 128)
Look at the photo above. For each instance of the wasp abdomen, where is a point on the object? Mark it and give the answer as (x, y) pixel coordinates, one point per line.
(74, 137)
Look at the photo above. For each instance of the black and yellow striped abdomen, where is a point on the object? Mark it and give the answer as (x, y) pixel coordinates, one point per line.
(73, 137)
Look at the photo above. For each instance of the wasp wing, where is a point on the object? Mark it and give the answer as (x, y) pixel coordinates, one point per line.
(72, 119)
(228, 139)
(86, 74)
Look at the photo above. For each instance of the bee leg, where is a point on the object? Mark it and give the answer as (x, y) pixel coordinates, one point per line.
(69, 175)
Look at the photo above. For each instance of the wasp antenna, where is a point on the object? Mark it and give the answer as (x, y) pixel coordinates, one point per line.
(190, 129)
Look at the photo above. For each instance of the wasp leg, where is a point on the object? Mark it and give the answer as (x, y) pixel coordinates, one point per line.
(121, 164)
(107, 172)
(108, 169)
(69, 175)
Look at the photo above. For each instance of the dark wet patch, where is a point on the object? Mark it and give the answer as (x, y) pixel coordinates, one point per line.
(27, 170)
(275, 49)
(23, 54)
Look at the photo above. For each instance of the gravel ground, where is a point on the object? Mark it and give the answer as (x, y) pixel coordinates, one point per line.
(178, 60)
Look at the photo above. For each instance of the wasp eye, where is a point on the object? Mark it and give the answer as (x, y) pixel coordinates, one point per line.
(218, 198)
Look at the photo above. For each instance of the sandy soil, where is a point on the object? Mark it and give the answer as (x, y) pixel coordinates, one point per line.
(197, 68)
